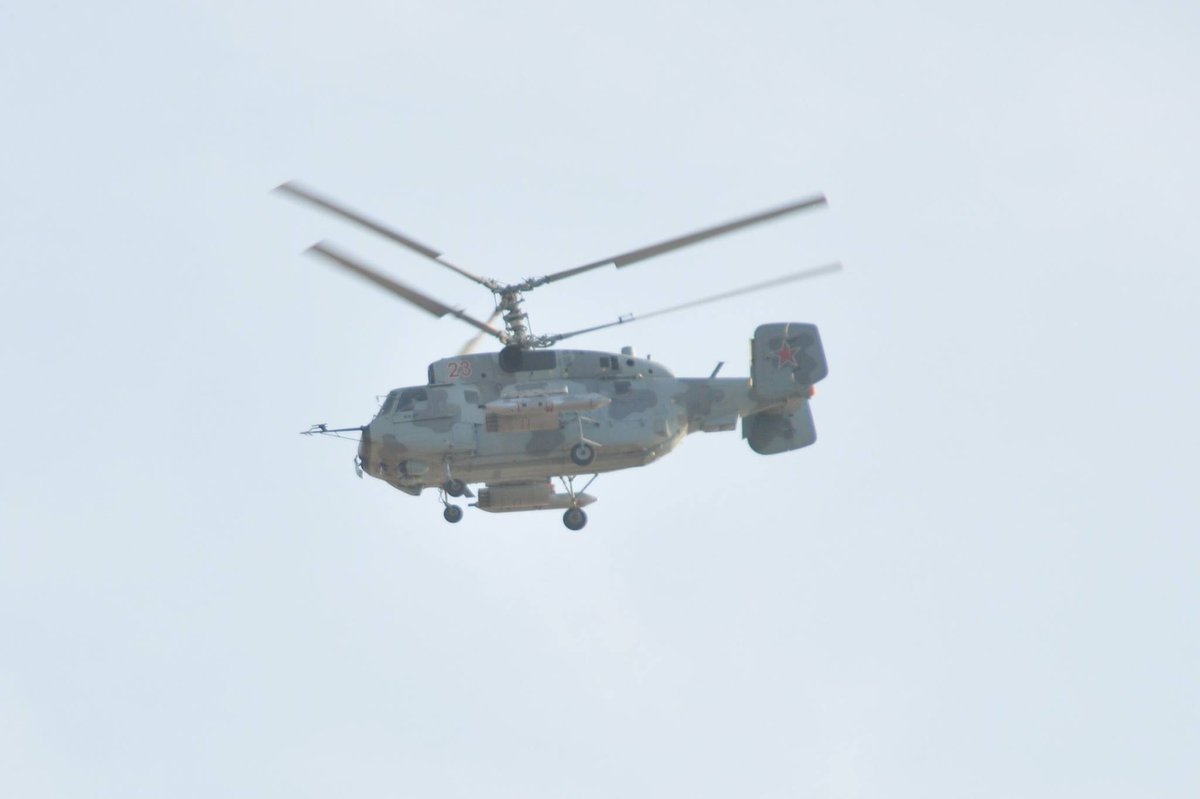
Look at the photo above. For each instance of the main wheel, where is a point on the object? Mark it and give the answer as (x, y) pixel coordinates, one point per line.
(575, 518)
(583, 453)
(452, 514)
(454, 487)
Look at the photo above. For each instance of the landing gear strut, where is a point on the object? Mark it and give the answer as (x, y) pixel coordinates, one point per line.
(574, 518)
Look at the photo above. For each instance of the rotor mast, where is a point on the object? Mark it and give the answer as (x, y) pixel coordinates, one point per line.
(516, 325)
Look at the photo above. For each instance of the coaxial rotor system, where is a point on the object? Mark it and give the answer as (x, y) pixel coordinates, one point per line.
(509, 297)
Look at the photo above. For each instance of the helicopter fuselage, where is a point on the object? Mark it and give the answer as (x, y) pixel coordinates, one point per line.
(526, 416)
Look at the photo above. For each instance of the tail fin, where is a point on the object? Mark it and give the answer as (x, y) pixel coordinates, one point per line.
(786, 359)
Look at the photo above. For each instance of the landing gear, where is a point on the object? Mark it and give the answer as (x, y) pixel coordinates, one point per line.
(575, 518)
(452, 488)
(583, 453)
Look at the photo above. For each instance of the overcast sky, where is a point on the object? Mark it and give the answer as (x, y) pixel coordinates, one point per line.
(981, 581)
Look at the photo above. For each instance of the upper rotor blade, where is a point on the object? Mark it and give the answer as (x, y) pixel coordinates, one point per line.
(417, 298)
(803, 274)
(308, 195)
(633, 256)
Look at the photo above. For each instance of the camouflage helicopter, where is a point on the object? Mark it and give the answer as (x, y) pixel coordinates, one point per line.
(517, 419)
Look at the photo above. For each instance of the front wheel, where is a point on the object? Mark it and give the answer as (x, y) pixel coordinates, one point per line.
(452, 514)
(575, 519)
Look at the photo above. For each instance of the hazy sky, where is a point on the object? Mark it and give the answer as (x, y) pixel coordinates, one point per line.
(981, 581)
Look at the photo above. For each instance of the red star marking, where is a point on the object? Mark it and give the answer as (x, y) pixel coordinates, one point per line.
(786, 355)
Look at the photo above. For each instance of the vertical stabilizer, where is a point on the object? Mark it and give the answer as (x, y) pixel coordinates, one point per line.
(786, 359)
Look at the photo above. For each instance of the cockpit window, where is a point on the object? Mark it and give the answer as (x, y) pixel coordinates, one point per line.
(408, 399)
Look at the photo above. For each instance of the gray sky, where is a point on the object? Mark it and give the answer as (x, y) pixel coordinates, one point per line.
(981, 581)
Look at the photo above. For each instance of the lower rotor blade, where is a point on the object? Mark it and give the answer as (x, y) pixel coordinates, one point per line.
(803, 274)
(470, 346)
(410, 295)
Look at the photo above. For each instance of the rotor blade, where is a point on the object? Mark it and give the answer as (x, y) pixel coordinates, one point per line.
(803, 274)
(308, 195)
(417, 298)
(633, 256)
(470, 346)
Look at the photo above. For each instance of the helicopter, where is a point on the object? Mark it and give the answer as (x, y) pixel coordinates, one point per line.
(518, 419)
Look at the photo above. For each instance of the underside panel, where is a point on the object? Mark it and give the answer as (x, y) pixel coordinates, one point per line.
(539, 495)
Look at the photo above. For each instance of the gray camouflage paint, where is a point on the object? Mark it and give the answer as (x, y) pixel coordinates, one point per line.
(650, 412)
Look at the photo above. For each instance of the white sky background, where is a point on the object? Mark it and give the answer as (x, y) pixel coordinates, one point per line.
(980, 582)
